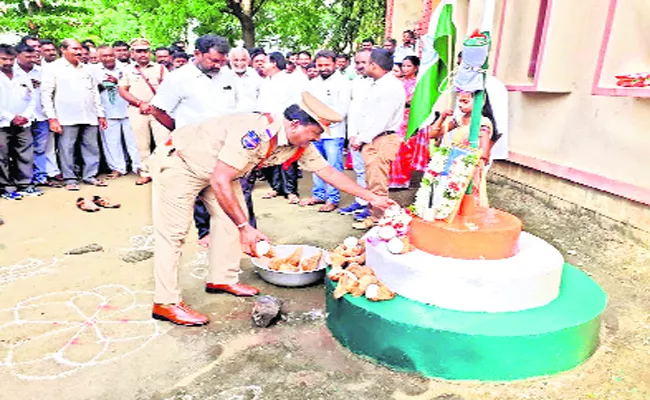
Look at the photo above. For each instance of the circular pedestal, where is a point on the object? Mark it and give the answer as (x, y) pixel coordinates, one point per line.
(529, 279)
(489, 234)
(411, 336)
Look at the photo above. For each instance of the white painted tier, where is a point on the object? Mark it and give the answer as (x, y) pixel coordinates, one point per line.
(529, 279)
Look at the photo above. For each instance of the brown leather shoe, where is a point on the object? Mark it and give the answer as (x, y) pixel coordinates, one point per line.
(328, 207)
(236, 289)
(179, 314)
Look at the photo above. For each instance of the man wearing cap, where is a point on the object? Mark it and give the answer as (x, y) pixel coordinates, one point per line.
(209, 157)
(138, 85)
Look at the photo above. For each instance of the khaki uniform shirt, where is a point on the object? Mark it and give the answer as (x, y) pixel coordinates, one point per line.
(136, 83)
(241, 141)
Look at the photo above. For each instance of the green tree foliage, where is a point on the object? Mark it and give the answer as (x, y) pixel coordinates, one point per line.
(295, 24)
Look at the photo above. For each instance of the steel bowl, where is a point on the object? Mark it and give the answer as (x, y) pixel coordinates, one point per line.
(290, 279)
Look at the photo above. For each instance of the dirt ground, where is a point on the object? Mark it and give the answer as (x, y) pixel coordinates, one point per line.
(77, 326)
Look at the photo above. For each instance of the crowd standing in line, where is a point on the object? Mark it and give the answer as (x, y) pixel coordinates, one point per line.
(74, 112)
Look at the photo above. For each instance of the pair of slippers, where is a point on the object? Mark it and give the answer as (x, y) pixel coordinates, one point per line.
(95, 203)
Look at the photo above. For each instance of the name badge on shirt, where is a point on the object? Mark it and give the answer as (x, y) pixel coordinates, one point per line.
(250, 141)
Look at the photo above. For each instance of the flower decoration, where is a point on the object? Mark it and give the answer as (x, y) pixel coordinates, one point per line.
(444, 182)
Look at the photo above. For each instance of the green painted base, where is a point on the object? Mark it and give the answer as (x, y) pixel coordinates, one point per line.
(411, 336)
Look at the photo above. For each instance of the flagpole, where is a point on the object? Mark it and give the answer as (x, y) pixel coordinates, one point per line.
(479, 97)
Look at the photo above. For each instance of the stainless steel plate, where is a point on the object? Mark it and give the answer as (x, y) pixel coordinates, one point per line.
(291, 279)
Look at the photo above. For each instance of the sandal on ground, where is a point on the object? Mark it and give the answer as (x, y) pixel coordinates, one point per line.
(270, 195)
(96, 182)
(73, 187)
(114, 175)
(104, 202)
(53, 183)
(85, 204)
(142, 180)
(293, 199)
(311, 201)
(328, 207)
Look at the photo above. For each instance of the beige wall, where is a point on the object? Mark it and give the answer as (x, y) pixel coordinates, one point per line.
(406, 15)
(560, 121)
(566, 124)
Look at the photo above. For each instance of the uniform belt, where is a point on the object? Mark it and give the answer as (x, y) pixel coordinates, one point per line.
(384, 133)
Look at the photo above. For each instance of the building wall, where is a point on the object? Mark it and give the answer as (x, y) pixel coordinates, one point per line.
(567, 117)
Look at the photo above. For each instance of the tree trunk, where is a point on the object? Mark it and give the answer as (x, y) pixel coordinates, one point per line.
(248, 31)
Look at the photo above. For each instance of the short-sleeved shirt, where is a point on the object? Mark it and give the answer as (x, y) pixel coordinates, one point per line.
(133, 77)
(241, 141)
(192, 96)
(248, 90)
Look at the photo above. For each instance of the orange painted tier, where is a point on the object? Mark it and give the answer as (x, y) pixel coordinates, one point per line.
(486, 234)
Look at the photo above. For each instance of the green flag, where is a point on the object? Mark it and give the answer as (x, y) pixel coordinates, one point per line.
(437, 54)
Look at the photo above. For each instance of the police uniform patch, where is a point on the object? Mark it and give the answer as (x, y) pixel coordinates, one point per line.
(251, 140)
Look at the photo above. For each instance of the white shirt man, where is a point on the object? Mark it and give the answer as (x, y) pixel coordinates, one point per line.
(334, 90)
(380, 118)
(248, 80)
(70, 94)
(16, 113)
(45, 162)
(71, 102)
(360, 86)
(278, 92)
(249, 84)
(192, 96)
(202, 89)
(107, 74)
(383, 109)
(19, 98)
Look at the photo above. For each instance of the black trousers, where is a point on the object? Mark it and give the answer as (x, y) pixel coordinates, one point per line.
(202, 216)
(283, 182)
(16, 158)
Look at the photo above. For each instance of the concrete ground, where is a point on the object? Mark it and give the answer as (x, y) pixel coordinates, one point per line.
(77, 326)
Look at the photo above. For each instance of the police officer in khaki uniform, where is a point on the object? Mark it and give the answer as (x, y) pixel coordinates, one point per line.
(139, 82)
(211, 155)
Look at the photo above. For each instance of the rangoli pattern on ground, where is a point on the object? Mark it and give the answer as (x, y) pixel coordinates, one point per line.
(57, 334)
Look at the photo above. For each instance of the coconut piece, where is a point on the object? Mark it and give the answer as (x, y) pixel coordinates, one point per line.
(335, 273)
(311, 263)
(262, 248)
(360, 259)
(337, 260)
(387, 232)
(351, 242)
(294, 258)
(364, 282)
(379, 292)
(360, 271)
(347, 282)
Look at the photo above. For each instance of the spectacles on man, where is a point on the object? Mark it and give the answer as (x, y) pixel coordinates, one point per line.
(141, 50)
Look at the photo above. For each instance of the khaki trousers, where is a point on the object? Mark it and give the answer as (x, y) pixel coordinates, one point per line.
(378, 155)
(144, 126)
(175, 187)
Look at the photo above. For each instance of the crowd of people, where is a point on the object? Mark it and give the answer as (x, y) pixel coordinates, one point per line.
(73, 111)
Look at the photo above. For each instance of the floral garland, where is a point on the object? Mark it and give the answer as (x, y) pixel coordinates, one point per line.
(441, 191)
